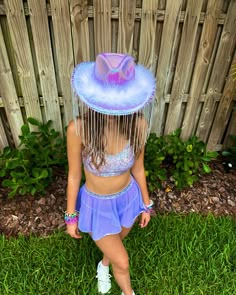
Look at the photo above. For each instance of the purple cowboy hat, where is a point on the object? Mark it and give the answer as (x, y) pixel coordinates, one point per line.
(113, 84)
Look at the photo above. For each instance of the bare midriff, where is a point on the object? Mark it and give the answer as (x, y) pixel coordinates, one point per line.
(106, 185)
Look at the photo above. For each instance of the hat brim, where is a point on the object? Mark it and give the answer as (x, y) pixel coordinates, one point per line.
(113, 99)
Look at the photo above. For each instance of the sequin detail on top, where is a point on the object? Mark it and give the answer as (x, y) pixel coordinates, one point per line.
(114, 164)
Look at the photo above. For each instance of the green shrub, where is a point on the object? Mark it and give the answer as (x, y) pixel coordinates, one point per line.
(29, 169)
(170, 157)
(153, 159)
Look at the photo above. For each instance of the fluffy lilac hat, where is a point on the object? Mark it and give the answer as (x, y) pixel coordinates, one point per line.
(113, 85)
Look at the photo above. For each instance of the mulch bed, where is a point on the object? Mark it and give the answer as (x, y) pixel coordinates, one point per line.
(214, 193)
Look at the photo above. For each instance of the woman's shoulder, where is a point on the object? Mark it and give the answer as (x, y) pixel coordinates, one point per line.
(73, 130)
(74, 126)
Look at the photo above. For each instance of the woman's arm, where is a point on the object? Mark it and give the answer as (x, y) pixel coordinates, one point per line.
(75, 166)
(74, 174)
(138, 170)
(138, 173)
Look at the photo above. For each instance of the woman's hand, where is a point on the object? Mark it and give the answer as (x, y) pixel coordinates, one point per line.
(145, 218)
(72, 230)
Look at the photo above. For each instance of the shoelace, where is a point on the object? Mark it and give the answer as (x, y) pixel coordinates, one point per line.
(104, 277)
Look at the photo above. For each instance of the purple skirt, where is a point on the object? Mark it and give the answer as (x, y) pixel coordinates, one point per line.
(103, 215)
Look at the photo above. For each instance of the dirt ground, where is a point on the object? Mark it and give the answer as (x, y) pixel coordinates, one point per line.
(214, 193)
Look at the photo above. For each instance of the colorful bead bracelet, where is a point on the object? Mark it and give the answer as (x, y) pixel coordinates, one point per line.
(148, 208)
(71, 218)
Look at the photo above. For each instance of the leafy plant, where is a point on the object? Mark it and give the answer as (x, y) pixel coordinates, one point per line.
(182, 161)
(29, 169)
(154, 156)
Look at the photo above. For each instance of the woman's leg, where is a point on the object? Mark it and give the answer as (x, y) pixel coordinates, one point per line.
(123, 234)
(115, 252)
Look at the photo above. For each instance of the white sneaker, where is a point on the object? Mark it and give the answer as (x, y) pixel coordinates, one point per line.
(103, 276)
(124, 294)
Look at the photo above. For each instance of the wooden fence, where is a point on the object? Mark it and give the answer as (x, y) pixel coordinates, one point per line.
(189, 45)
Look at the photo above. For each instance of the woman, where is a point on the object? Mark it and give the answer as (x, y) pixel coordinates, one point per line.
(112, 107)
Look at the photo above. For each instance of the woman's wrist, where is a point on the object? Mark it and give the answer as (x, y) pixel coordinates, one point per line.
(147, 201)
(71, 218)
(70, 211)
(148, 208)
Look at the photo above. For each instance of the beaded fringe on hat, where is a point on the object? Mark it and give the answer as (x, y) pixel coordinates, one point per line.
(99, 132)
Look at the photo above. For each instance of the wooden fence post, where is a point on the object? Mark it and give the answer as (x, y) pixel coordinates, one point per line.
(64, 52)
(126, 26)
(223, 111)
(23, 56)
(219, 71)
(80, 30)
(148, 34)
(102, 26)
(201, 66)
(169, 34)
(191, 21)
(9, 94)
(41, 37)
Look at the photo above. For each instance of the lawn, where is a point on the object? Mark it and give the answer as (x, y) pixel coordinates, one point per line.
(176, 254)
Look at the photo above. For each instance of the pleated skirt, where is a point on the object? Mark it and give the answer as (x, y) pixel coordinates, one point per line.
(102, 215)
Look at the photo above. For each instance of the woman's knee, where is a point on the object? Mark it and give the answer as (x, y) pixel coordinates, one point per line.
(122, 265)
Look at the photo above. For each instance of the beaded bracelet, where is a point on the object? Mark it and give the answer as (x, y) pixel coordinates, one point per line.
(71, 218)
(148, 208)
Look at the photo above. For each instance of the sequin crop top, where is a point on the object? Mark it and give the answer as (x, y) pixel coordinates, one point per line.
(114, 164)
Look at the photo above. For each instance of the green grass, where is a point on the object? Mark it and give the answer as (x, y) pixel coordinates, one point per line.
(175, 255)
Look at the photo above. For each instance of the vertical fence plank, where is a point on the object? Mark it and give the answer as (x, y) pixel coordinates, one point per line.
(64, 52)
(191, 21)
(11, 54)
(209, 32)
(8, 91)
(169, 34)
(41, 38)
(20, 41)
(3, 138)
(223, 111)
(148, 34)
(126, 26)
(102, 25)
(223, 58)
(80, 30)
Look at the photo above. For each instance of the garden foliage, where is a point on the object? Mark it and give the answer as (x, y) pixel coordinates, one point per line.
(30, 169)
(169, 157)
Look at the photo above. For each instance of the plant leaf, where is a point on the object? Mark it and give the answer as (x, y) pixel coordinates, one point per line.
(25, 130)
(206, 168)
(33, 121)
(226, 153)
(44, 173)
(33, 190)
(189, 148)
(2, 172)
(212, 154)
(36, 172)
(8, 183)
(206, 159)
